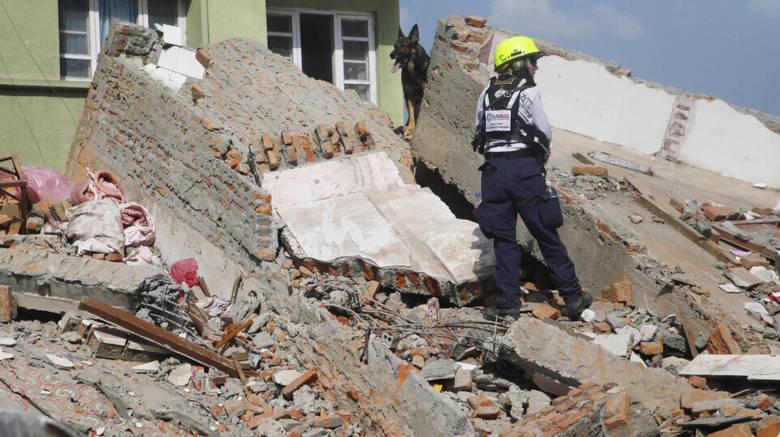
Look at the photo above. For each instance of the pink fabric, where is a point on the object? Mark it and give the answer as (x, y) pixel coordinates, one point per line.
(143, 256)
(185, 271)
(139, 225)
(44, 183)
(99, 185)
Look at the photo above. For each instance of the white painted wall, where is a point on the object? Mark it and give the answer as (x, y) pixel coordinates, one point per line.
(726, 141)
(585, 98)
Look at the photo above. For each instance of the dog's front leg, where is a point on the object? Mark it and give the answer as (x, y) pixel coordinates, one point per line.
(409, 130)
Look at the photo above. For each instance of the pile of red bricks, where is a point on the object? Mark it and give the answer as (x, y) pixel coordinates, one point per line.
(585, 410)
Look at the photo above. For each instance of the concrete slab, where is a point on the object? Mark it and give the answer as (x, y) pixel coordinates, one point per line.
(370, 214)
(48, 281)
(181, 61)
(542, 348)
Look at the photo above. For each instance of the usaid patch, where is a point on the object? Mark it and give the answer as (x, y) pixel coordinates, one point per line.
(498, 121)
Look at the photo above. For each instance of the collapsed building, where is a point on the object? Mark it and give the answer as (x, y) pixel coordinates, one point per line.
(335, 295)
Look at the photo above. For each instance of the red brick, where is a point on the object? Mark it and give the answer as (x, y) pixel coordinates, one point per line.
(476, 21)
(203, 57)
(478, 37)
(602, 328)
(459, 47)
(616, 410)
(286, 138)
(678, 205)
(716, 213)
(651, 348)
(697, 381)
(751, 261)
(595, 170)
(619, 292)
(721, 342)
(328, 422)
(545, 311)
(197, 92)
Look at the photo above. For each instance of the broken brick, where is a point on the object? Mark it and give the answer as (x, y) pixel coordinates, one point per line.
(602, 328)
(202, 56)
(697, 381)
(619, 292)
(197, 92)
(594, 170)
(721, 342)
(459, 47)
(476, 21)
(715, 212)
(328, 422)
(651, 348)
(545, 311)
(478, 37)
(488, 411)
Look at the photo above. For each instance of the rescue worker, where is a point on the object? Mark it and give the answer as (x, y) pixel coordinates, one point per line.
(513, 133)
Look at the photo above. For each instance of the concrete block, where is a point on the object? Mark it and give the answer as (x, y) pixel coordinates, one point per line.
(106, 345)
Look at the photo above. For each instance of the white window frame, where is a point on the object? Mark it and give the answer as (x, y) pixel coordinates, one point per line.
(337, 59)
(295, 35)
(93, 32)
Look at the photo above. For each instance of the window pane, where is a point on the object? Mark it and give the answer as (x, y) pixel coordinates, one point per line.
(74, 15)
(75, 68)
(355, 51)
(281, 45)
(362, 90)
(125, 10)
(355, 71)
(357, 28)
(163, 12)
(279, 23)
(74, 43)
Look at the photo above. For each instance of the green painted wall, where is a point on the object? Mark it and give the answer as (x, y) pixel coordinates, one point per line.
(387, 19)
(48, 116)
(33, 94)
(29, 69)
(210, 21)
(37, 24)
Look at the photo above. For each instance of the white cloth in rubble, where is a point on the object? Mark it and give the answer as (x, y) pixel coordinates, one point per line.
(96, 226)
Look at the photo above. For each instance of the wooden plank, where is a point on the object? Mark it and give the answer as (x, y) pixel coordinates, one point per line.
(752, 367)
(731, 238)
(232, 330)
(582, 158)
(157, 335)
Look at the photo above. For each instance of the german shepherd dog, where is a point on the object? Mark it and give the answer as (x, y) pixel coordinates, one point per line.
(411, 58)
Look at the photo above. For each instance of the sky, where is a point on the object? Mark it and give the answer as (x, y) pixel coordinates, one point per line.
(729, 49)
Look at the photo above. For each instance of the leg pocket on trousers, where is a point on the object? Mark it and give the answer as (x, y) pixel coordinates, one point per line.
(550, 213)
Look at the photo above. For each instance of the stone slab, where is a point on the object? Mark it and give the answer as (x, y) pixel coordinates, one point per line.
(541, 348)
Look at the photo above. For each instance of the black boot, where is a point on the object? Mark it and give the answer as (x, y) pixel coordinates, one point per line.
(575, 305)
(494, 314)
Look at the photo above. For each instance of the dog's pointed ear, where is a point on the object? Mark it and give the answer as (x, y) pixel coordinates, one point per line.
(415, 34)
(400, 32)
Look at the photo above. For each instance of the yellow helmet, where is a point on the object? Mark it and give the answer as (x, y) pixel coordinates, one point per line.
(513, 48)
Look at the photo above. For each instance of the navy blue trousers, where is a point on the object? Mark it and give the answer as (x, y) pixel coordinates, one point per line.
(517, 186)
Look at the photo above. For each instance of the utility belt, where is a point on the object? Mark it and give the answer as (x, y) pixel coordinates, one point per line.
(522, 153)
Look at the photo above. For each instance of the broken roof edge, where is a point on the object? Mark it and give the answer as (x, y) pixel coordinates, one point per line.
(771, 121)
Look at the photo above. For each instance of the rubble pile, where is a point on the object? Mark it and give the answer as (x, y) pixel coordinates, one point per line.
(305, 286)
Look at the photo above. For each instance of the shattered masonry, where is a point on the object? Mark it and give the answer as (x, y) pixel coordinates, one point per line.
(315, 289)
